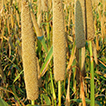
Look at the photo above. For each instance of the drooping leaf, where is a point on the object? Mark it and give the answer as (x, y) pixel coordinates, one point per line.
(3, 103)
(47, 99)
(102, 66)
(47, 60)
(18, 76)
(42, 40)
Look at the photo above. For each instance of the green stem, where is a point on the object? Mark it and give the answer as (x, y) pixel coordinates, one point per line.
(41, 99)
(47, 18)
(59, 93)
(74, 75)
(53, 91)
(32, 102)
(92, 75)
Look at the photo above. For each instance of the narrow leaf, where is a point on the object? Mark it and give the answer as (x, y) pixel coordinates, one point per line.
(47, 60)
(87, 101)
(18, 76)
(3, 103)
(47, 99)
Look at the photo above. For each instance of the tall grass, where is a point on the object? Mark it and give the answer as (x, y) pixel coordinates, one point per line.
(59, 44)
(80, 41)
(65, 43)
(90, 37)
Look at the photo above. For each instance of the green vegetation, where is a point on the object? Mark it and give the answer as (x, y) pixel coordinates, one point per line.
(85, 74)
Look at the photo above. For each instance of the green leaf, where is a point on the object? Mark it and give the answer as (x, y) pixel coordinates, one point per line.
(42, 40)
(3, 103)
(53, 91)
(102, 66)
(47, 60)
(17, 76)
(103, 59)
(14, 65)
(4, 89)
(87, 101)
(47, 99)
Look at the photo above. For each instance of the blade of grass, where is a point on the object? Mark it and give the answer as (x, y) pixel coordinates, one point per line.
(53, 91)
(47, 60)
(87, 101)
(59, 93)
(3, 103)
(46, 99)
(18, 76)
(48, 34)
(72, 57)
(92, 75)
(42, 40)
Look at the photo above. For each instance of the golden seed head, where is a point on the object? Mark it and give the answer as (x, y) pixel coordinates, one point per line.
(79, 24)
(28, 54)
(59, 41)
(89, 21)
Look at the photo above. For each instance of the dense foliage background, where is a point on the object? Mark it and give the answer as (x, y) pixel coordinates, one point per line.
(12, 86)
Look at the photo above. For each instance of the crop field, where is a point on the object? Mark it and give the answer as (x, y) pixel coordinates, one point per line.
(52, 52)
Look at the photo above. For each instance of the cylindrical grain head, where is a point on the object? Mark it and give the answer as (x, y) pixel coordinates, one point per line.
(59, 41)
(89, 20)
(28, 54)
(79, 23)
(37, 29)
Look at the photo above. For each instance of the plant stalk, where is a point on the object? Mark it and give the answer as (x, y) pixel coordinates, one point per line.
(92, 75)
(53, 91)
(32, 102)
(59, 93)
